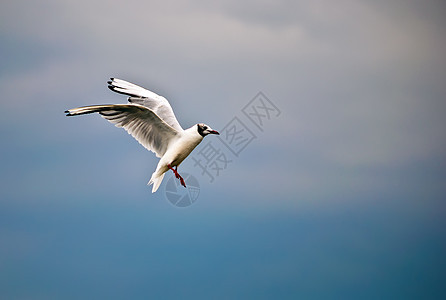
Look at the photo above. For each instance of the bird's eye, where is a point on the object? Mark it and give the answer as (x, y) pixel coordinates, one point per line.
(205, 127)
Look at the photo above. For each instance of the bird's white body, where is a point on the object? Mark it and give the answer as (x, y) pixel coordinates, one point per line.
(176, 153)
(181, 147)
(149, 118)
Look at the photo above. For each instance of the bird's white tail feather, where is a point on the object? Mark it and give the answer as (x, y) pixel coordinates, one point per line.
(156, 181)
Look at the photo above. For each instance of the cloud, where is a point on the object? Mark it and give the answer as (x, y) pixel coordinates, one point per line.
(355, 160)
(359, 83)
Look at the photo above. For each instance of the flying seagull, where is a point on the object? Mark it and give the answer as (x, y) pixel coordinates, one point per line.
(149, 118)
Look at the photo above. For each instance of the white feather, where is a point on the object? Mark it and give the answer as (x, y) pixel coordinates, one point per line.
(138, 95)
(139, 121)
(149, 118)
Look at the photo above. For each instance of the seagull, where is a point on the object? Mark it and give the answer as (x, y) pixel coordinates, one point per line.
(149, 118)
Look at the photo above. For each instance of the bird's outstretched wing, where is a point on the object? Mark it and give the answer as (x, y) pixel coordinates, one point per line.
(139, 121)
(158, 104)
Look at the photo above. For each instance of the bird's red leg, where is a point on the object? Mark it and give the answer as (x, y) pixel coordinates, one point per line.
(177, 175)
(173, 170)
(182, 181)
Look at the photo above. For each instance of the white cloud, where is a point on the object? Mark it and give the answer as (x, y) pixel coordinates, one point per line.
(359, 83)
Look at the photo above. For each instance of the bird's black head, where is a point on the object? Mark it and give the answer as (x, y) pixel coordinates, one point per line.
(204, 130)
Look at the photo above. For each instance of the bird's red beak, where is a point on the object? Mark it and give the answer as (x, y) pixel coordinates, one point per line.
(214, 132)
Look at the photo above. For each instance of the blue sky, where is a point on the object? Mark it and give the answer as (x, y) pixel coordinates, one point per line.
(340, 196)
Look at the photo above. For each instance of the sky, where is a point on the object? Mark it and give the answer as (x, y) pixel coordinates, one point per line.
(338, 192)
